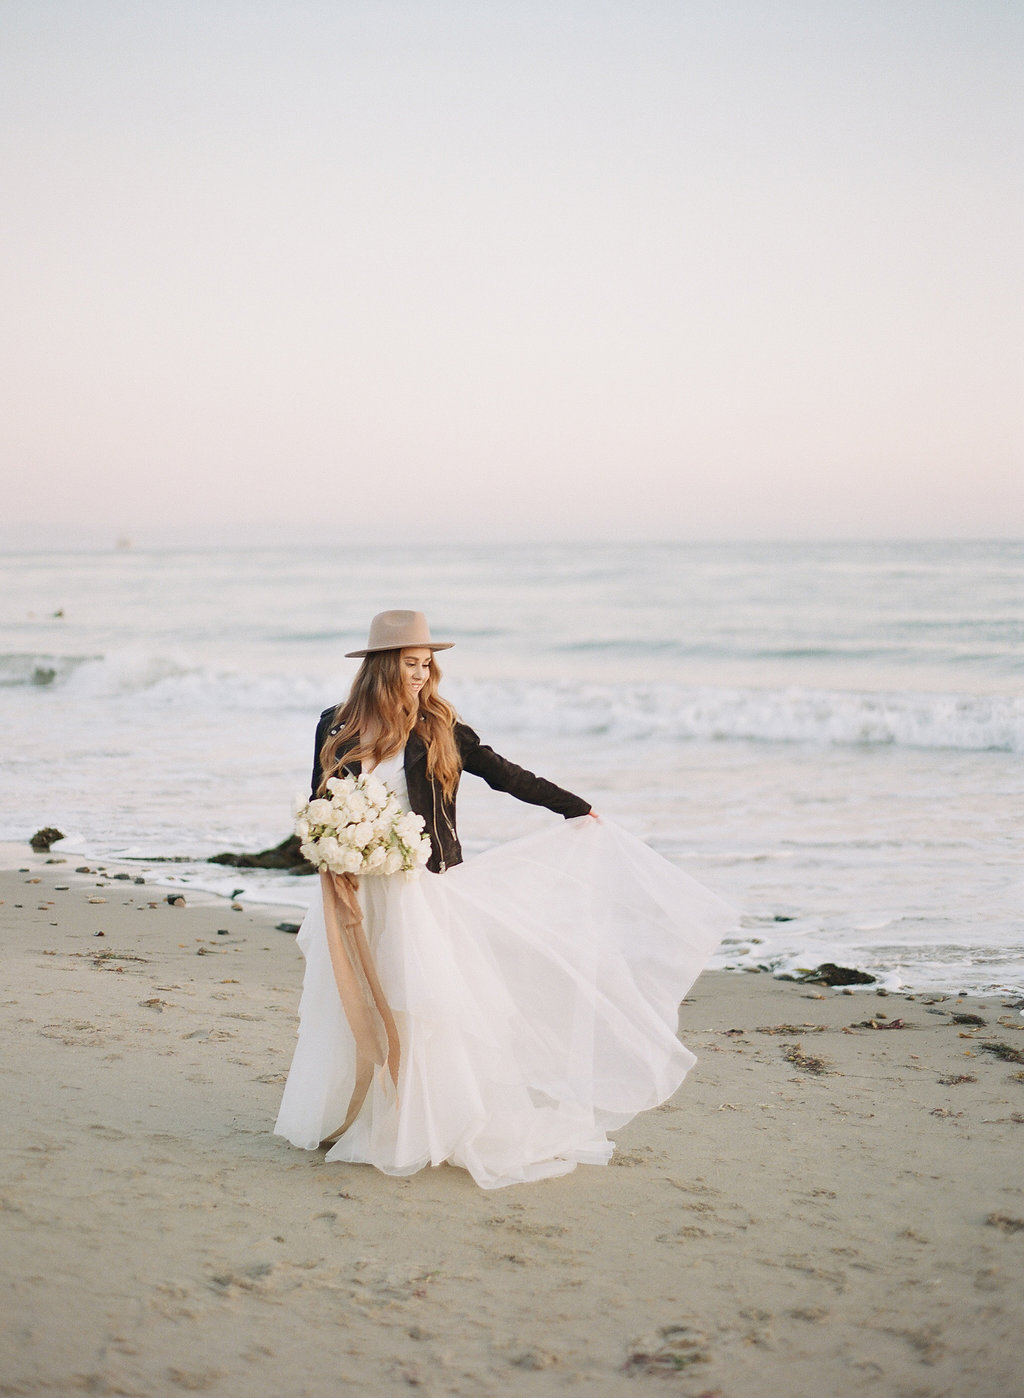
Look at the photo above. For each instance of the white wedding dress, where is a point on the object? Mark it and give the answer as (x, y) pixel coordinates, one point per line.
(535, 989)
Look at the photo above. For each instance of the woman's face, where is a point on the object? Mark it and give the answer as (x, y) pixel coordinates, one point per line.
(415, 662)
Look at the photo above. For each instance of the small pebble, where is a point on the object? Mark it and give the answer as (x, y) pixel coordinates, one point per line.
(222, 931)
(99, 934)
(83, 869)
(175, 900)
(237, 908)
(138, 879)
(123, 877)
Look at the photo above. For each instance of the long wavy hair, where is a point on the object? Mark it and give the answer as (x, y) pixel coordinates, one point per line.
(379, 704)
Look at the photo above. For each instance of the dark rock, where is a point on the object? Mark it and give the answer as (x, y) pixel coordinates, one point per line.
(968, 1019)
(125, 878)
(828, 973)
(287, 855)
(175, 900)
(288, 926)
(43, 839)
(138, 879)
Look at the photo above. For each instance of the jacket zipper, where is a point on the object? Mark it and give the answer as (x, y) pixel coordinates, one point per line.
(433, 795)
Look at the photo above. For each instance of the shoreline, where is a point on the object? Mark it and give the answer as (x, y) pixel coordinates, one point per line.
(206, 884)
(824, 1206)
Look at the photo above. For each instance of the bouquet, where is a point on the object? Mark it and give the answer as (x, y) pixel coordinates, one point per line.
(361, 829)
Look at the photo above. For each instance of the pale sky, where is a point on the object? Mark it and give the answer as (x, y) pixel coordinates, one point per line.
(668, 269)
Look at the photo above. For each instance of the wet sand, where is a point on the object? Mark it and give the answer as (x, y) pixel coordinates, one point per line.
(825, 1208)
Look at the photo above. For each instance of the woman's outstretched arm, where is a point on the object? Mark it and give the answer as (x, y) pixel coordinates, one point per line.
(504, 775)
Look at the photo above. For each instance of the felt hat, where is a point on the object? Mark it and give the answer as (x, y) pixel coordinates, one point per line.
(395, 631)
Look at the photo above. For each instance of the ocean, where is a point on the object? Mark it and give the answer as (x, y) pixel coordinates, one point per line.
(829, 735)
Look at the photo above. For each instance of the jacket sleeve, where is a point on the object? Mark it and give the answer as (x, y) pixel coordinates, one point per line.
(503, 775)
(321, 733)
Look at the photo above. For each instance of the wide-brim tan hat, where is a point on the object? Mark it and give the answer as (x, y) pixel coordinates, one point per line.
(396, 631)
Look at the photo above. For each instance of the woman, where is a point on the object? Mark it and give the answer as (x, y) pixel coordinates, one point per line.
(504, 1016)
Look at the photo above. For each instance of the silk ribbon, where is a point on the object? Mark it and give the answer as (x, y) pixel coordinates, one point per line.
(362, 997)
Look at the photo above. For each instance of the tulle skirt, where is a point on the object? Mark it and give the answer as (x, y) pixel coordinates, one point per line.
(535, 989)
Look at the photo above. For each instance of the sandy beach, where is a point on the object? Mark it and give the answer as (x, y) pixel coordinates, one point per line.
(832, 1204)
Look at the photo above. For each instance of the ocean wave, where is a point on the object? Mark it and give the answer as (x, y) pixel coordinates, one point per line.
(37, 670)
(969, 722)
(166, 677)
(627, 712)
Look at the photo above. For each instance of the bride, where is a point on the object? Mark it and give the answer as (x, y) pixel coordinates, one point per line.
(502, 1015)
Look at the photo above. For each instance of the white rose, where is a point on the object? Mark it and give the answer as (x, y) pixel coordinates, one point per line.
(376, 857)
(375, 790)
(302, 828)
(351, 861)
(361, 835)
(408, 826)
(393, 861)
(329, 849)
(319, 811)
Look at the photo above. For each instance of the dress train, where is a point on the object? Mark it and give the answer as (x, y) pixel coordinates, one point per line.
(536, 992)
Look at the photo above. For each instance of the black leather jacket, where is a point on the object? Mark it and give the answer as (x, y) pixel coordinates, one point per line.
(428, 800)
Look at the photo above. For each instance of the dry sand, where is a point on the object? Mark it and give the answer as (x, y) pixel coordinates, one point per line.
(770, 1231)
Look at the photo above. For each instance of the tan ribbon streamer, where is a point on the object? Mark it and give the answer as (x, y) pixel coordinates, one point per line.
(362, 998)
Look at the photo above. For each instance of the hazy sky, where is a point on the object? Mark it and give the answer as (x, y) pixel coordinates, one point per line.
(536, 268)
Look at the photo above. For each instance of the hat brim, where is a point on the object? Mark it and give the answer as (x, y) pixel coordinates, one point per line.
(412, 645)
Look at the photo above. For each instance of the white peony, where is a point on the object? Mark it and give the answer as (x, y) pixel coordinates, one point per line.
(319, 812)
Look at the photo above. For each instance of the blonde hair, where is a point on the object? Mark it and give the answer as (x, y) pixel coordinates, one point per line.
(378, 703)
